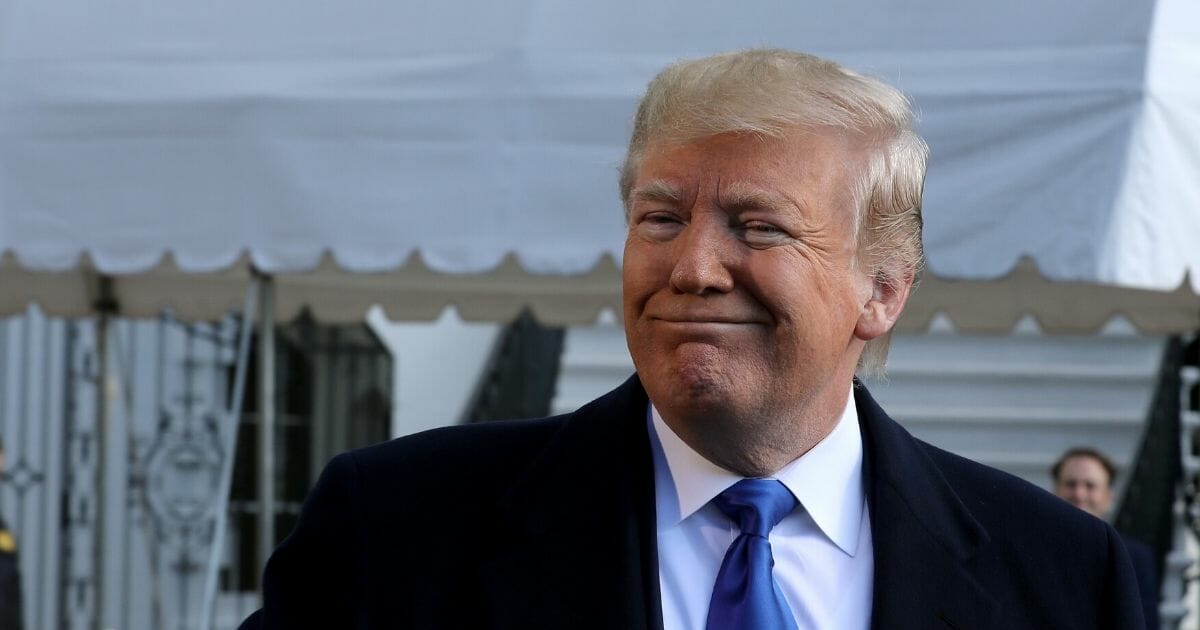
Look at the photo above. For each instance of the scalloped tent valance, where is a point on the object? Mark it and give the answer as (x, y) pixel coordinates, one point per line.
(466, 154)
(412, 291)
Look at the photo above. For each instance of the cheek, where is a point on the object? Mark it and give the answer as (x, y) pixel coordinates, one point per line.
(632, 263)
(808, 306)
(634, 285)
(644, 269)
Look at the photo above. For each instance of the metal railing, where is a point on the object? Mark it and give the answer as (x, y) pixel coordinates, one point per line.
(1179, 575)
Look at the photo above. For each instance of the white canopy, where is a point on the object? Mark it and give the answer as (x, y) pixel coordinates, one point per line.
(420, 154)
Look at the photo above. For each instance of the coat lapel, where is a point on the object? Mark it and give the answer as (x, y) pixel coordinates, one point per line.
(577, 542)
(924, 537)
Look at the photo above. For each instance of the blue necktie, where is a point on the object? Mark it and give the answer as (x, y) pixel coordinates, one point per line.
(746, 596)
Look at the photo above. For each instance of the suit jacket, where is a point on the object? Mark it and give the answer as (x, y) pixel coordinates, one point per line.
(1145, 569)
(550, 524)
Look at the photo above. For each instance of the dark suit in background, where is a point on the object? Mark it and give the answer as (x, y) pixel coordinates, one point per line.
(1145, 568)
(11, 612)
(550, 524)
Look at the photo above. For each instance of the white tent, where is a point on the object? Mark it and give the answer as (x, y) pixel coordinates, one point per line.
(415, 154)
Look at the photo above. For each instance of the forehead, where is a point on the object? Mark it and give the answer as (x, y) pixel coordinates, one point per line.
(1084, 467)
(746, 164)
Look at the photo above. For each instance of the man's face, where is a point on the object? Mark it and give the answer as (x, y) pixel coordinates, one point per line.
(741, 292)
(1084, 483)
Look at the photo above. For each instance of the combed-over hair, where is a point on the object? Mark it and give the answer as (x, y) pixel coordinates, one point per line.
(767, 92)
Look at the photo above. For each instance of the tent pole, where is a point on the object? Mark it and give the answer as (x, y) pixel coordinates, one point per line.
(233, 418)
(106, 307)
(266, 421)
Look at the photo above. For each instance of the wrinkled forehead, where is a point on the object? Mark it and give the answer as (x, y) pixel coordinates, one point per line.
(674, 135)
(750, 166)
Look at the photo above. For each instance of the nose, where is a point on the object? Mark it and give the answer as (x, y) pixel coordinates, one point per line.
(701, 259)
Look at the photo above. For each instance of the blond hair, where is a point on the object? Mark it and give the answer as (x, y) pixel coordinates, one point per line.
(766, 92)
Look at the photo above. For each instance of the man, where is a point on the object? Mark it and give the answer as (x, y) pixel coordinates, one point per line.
(1084, 478)
(11, 612)
(742, 478)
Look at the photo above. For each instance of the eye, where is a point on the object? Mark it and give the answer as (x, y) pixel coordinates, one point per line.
(763, 228)
(659, 224)
(761, 233)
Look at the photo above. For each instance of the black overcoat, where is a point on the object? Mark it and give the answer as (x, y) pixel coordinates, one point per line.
(550, 524)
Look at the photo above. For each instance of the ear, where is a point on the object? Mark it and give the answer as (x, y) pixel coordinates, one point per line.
(883, 307)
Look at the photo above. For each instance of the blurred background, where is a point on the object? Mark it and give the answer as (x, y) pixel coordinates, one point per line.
(236, 240)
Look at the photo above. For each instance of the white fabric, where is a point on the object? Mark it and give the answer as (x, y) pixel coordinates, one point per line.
(457, 134)
(824, 561)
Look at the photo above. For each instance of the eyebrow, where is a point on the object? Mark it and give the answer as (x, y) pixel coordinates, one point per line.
(657, 190)
(749, 198)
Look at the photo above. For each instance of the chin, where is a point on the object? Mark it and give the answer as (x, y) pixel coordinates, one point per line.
(698, 378)
(700, 390)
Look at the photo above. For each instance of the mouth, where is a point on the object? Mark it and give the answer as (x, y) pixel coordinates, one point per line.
(704, 324)
(705, 318)
(732, 322)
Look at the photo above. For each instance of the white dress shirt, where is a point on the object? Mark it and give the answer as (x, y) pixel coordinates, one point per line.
(824, 562)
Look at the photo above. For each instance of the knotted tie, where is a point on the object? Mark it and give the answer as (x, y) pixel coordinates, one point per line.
(746, 596)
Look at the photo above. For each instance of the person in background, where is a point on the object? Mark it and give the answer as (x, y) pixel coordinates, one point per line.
(1084, 477)
(11, 617)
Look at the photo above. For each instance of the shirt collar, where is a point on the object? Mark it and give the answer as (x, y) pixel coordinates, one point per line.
(827, 480)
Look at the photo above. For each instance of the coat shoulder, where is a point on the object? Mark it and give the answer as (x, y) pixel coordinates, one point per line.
(486, 453)
(995, 495)
(1033, 532)
(489, 456)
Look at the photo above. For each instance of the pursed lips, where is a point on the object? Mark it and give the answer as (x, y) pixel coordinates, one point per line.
(704, 321)
(719, 331)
